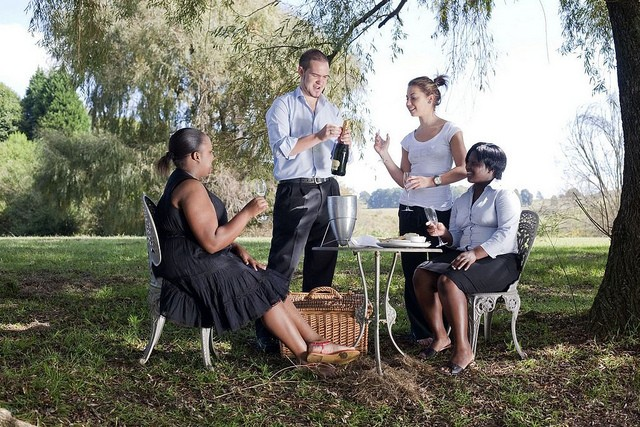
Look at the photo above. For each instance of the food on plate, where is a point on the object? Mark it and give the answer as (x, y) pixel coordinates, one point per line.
(412, 237)
(408, 236)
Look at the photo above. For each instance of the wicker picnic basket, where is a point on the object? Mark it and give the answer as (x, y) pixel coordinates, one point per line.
(333, 315)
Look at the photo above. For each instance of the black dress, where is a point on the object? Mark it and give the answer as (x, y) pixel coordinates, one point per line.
(208, 290)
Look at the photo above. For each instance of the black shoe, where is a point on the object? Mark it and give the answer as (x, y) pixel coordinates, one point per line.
(455, 370)
(430, 352)
(268, 345)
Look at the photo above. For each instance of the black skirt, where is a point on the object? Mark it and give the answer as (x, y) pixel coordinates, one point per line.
(485, 275)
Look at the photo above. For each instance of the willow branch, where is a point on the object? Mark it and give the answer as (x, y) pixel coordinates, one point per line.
(593, 221)
(352, 28)
(396, 12)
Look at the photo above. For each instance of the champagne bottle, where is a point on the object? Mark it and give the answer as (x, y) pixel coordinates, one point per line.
(340, 155)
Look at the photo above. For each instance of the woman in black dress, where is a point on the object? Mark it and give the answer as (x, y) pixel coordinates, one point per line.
(211, 281)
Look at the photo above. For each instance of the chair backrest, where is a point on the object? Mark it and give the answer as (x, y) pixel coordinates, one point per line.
(153, 244)
(527, 230)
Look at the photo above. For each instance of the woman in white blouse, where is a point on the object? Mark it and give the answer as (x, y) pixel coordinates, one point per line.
(482, 235)
(433, 156)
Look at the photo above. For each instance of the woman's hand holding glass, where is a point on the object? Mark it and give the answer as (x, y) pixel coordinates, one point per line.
(434, 228)
(406, 181)
(260, 189)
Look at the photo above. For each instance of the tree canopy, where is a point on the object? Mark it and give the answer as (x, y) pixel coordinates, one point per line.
(10, 112)
(51, 102)
(148, 68)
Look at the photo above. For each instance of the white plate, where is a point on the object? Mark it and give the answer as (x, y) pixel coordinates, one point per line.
(398, 243)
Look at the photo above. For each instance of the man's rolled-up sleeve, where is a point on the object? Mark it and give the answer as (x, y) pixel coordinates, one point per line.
(279, 130)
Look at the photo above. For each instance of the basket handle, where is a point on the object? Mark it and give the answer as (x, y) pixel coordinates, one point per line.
(324, 291)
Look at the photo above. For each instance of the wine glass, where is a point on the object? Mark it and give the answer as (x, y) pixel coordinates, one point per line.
(405, 179)
(432, 217)
(260, 189)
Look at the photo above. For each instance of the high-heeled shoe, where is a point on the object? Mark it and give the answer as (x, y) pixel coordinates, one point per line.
(454, 369)
(430, 352)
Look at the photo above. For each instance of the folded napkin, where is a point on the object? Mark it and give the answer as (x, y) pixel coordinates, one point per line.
(365, 241)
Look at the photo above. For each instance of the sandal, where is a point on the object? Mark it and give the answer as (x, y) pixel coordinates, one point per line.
(340, 357)
(455, 370)
(430, 352)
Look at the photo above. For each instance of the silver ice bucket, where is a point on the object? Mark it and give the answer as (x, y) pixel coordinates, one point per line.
(342, 217)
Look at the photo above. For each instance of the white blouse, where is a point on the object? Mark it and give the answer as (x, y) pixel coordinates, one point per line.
(491, 222)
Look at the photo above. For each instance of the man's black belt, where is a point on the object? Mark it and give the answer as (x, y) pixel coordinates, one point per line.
(304, 181)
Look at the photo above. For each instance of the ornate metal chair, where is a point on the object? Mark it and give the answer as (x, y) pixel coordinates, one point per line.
(155, 287)
(485, 303)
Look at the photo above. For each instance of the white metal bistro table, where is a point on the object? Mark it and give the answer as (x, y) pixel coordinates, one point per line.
(389, 312)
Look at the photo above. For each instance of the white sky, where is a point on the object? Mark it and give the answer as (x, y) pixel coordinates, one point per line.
(531, 102)
(532, 99)
(19, 53)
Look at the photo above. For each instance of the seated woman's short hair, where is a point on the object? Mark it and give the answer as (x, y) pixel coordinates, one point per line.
(491, 155)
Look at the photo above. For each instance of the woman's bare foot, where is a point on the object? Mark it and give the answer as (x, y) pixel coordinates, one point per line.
(328, 352)
(440, 344)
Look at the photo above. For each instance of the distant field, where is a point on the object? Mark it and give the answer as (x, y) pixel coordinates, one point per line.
(563, 221)
(377, 222)
(560, 217)
(543, 240)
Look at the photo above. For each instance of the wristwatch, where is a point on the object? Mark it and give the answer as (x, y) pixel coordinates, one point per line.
(437, 180)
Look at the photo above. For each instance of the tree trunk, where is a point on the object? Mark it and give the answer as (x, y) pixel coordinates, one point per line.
(617, 305)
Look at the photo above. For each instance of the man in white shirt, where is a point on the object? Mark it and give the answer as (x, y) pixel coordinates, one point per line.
(303, 128)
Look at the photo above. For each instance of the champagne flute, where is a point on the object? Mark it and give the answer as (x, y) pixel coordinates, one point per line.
(432, 217)
(405, 179)
(260, 188)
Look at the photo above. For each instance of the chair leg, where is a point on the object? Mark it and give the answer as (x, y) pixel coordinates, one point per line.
(513, 305)
(487, 325)
(156, 331)
(206, 346)
(482, 304)
(474, 324)
(212, 342)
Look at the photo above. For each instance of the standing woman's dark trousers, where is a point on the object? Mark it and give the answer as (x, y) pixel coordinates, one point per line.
(415, 222)
(300, 220)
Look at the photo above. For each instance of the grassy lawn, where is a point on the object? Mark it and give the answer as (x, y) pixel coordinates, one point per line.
(74, 322)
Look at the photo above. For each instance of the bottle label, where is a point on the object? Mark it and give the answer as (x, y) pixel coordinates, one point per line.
(335, 165)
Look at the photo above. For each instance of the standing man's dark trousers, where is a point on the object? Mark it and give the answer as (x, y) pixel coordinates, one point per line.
(300, 221)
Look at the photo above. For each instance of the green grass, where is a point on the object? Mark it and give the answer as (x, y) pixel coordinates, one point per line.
(74, 321)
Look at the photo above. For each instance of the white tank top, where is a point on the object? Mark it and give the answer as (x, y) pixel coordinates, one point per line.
(430, 158)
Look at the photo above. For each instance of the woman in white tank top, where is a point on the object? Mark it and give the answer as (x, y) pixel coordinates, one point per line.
(433, 156)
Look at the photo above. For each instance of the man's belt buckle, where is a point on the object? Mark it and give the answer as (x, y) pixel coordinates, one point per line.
(318, 180)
